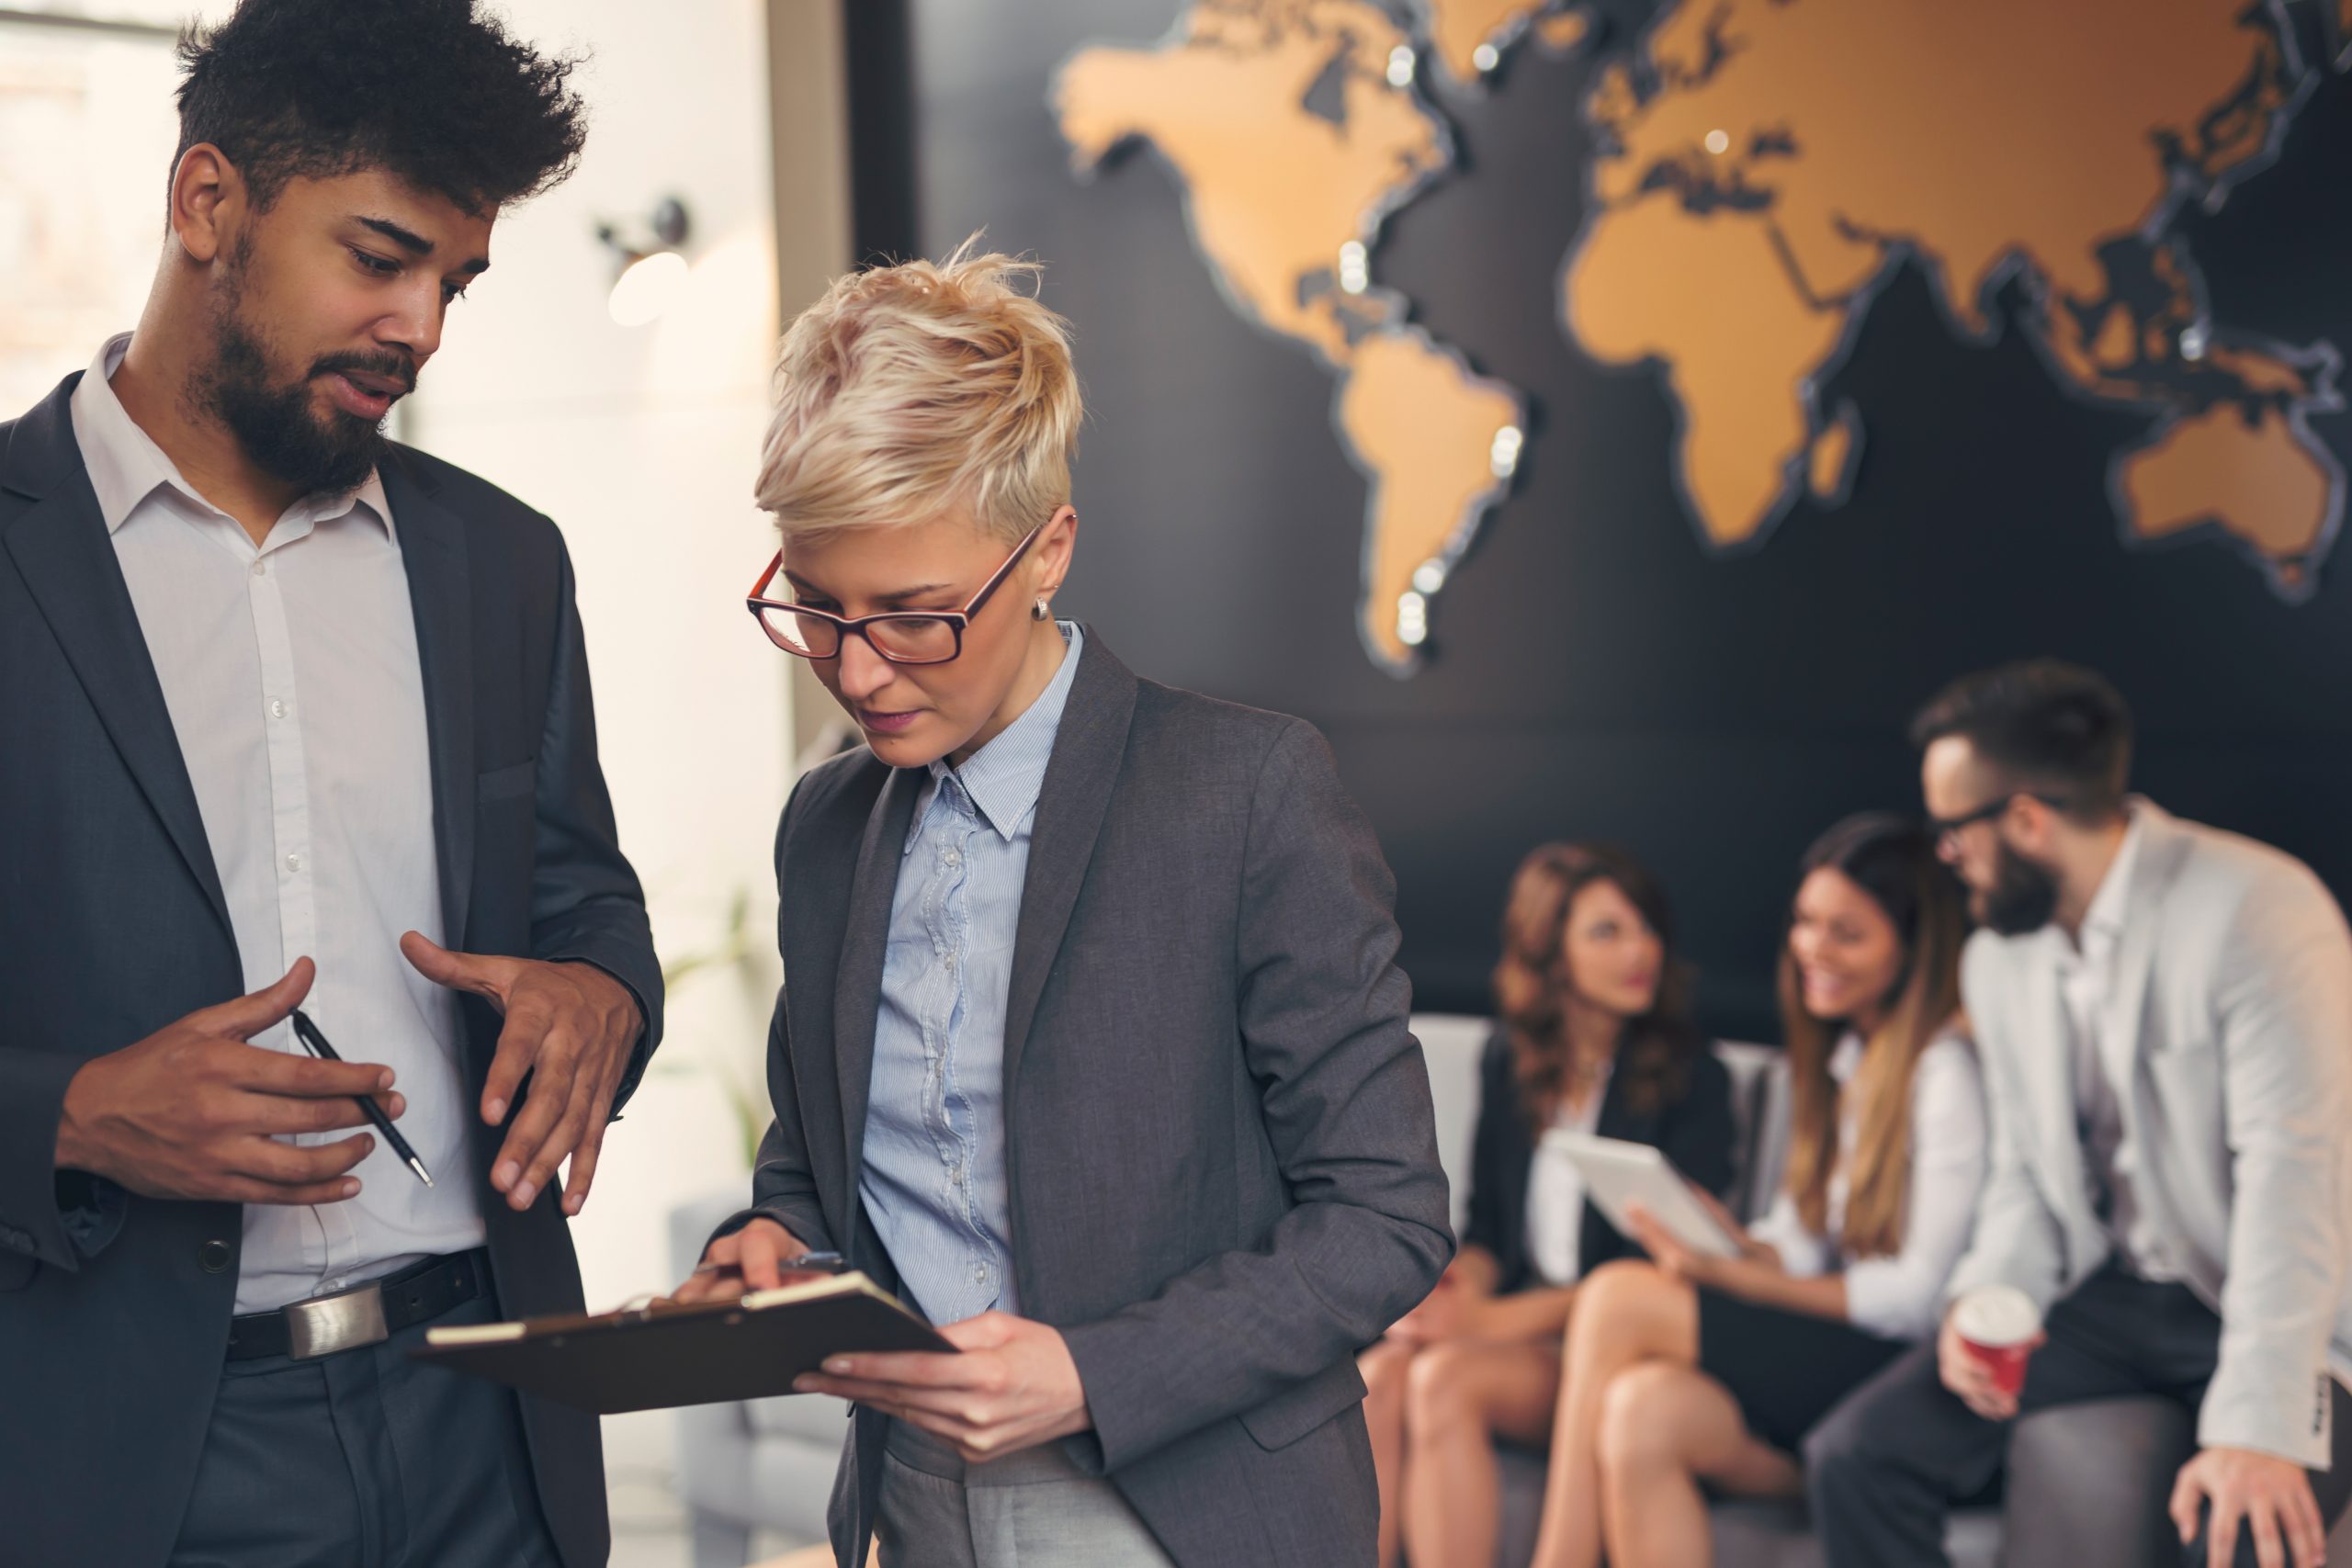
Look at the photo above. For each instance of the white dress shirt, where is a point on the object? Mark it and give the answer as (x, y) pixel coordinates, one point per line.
(292, 679)
(1555, 1194)
(1900, 1297)
(2086, 980)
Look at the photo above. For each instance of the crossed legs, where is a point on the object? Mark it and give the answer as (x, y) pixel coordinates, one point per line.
(1384, 1367)
(1435, 1414)
(1637, 1426)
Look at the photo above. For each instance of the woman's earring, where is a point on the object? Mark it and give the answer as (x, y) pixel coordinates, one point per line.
(1041, 609)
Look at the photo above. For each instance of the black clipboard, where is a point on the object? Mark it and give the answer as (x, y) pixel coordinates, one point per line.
(694, 1354)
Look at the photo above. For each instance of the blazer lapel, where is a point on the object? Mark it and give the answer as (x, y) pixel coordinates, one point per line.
(2046, 1037)
(62, 548)
(2135, 953)
(857, 987)
(440, 591)
(1088, 751)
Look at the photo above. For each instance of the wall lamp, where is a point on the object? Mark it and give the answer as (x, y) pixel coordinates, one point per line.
(652, 271)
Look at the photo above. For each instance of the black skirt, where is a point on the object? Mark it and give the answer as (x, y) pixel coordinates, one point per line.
(1787, 1369)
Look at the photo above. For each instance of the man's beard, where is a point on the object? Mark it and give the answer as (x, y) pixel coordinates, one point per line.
(2023, 897)
(278, 424)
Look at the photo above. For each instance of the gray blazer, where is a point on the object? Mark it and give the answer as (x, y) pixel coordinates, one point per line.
(1223, 1162)
(114, 1309)
(2234, 994)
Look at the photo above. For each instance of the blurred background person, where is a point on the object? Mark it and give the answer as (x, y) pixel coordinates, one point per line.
(1694, 1369)
(2166, 1012)
(1594, 1036)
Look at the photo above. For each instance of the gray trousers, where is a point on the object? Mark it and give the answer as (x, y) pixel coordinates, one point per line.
(1885, 1467)
(364, 1459)
(1033, 1510)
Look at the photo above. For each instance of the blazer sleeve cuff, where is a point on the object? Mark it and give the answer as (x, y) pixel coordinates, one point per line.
(1136, 1412)
(806, 1225)
(1979, 1269)
(39, 1212)
(1133, 1417)
(1886, 1297)
(614, 959)
(92, 1210)
(2284, 1411)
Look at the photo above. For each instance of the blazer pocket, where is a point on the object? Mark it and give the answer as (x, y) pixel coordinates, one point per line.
(1301, 1408)
(505, 783)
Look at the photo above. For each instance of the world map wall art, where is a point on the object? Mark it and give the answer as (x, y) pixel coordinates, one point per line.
(1758, 171)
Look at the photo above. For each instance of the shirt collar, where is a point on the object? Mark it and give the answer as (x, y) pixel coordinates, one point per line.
(2103, 920)
(126, 466)
(1846, 1059)
(1005, 777)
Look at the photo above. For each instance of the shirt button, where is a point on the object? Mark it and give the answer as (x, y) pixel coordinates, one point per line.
(261, 569)
(277, 708)
(293, 863)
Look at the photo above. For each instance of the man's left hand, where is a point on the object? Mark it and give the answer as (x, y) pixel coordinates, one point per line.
(571, 1027)
(1013, 1387)
(2271, 1496)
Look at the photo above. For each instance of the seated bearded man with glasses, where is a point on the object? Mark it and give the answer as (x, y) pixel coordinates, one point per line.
(2165, 1014)
(1092, 1044)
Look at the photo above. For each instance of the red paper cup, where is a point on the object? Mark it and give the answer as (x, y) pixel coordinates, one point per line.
(1998, 1323)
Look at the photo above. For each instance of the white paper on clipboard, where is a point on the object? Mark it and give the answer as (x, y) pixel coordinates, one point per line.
(1618, 1174)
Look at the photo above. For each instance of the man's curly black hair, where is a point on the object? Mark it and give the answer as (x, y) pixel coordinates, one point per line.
(430, 91)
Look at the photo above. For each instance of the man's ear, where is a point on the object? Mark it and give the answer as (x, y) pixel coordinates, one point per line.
(2032, 824)
(208, 200)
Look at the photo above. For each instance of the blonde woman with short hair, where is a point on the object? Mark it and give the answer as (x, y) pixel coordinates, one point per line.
(1092, 1044)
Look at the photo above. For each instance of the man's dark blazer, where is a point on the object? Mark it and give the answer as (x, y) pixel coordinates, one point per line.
(1222, 1158)
(112, 924)
(1696, 1132)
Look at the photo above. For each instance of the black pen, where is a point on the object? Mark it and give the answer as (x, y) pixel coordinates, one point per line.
(307, 1033)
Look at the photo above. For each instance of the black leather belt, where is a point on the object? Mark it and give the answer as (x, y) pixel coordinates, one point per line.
(365, 1315)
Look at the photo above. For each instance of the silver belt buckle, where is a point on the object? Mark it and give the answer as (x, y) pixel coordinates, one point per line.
(344, 1322)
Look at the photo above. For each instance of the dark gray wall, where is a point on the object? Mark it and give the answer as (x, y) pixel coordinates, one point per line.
(1599, 672)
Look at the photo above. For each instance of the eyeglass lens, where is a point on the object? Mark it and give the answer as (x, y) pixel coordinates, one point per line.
(909, 639)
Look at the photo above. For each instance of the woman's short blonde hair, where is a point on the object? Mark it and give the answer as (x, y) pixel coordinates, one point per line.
(908, 390)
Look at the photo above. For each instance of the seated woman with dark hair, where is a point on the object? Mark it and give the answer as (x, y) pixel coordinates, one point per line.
(1691, 1368)
(1594, 1036)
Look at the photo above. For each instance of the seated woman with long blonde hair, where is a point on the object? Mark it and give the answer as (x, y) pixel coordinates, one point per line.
(1692, 1368)
(1594, 1036)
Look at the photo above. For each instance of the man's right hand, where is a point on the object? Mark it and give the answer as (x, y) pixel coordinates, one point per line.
(1971, 1379)
(194, 1111)
(748, 1260)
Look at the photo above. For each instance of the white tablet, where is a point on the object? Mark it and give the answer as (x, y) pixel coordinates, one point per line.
(1618, 1175)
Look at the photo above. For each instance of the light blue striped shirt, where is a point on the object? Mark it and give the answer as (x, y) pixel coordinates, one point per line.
(934, 1182)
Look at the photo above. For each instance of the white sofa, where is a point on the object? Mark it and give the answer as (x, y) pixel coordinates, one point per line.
(769, 1464)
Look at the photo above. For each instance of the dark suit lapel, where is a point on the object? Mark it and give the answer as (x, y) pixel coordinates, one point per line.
(61, 547)
(1088, 751)
(857, 987)
(1617, 1118)
(440, 591)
